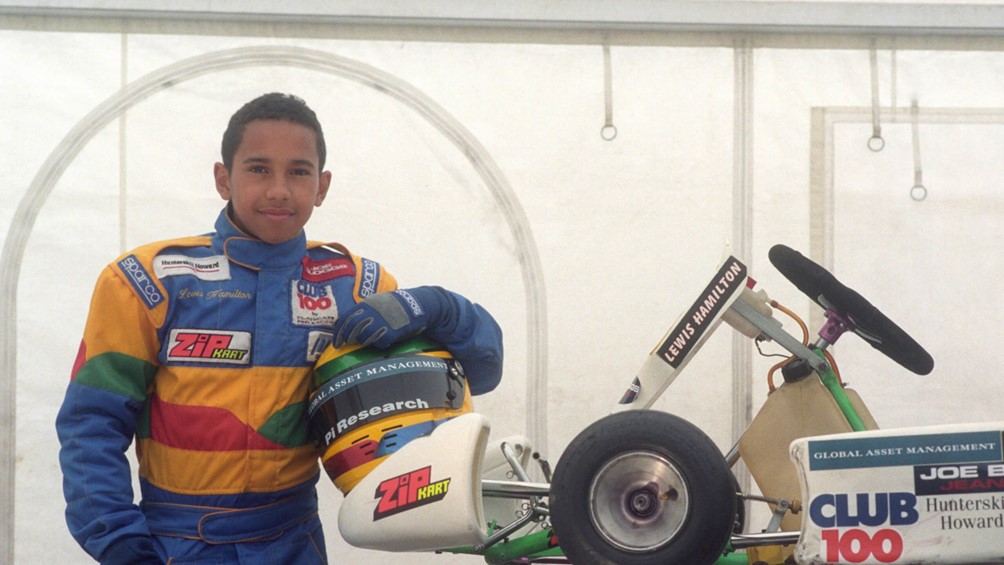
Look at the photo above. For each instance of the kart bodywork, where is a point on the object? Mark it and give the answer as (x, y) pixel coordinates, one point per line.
(641, 486)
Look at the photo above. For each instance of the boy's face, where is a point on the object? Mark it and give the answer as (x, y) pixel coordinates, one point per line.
(275, 181)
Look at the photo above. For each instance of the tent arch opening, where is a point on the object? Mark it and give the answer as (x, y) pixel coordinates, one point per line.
(505, 201)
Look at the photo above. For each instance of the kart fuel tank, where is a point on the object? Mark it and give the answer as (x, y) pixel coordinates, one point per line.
(794, 410)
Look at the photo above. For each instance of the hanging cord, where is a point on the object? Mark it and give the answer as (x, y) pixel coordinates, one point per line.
(918, 192)
(609, 130)
(892, 80)
(875, 142)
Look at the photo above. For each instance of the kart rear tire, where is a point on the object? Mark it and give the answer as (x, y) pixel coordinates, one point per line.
(642, 487)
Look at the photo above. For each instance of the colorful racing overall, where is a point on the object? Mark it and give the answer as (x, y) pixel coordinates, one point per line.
(201, 348)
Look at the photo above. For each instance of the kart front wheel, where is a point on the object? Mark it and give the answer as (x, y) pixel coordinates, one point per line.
(642, 487)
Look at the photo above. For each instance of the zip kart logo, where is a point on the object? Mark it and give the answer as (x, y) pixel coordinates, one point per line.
(843, 518)
(209, 346)
(408, 491)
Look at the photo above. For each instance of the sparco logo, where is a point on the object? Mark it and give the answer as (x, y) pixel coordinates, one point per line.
(368, 285)
(416, 309)
(141, 281)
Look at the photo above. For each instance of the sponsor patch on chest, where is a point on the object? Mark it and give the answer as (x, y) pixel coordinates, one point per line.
(215, 268)
(313, 304)
(320, 271)
(317, 342)
(209, 346)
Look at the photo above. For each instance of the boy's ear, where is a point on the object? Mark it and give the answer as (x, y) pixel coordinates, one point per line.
(322, 189)
(222, 176)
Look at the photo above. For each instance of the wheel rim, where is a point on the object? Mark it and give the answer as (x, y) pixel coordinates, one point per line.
(638, 501)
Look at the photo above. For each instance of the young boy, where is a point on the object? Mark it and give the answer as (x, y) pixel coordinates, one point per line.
(201, 348)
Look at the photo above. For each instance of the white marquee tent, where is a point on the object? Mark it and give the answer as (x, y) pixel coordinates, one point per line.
(576, 166)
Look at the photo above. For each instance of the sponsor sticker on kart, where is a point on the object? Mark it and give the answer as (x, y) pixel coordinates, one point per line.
(682, 342)
(410, 490)
(911, 495)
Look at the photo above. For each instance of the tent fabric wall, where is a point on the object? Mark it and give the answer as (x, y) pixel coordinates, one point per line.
(722, 136)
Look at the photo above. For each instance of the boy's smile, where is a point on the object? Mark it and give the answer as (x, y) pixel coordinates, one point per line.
(275, 181)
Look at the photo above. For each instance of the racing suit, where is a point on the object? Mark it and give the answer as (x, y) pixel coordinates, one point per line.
(201, 348)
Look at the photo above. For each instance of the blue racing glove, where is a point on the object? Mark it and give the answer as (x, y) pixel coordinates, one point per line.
(387, 317)
(467, 330)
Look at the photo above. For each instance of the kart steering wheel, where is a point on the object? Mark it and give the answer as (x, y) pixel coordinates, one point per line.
(869, 323)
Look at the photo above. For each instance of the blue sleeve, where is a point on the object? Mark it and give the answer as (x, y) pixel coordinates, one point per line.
(469, 333)
(95, 428)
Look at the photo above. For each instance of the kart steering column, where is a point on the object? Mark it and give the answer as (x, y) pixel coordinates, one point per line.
(772, 329)
(835, 326)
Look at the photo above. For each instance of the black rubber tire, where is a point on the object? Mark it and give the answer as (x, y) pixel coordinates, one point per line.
(642, 487)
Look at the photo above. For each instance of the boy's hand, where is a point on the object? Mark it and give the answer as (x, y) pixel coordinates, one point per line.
(382, 319)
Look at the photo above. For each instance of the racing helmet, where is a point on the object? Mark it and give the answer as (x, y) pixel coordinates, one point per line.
(366, 403)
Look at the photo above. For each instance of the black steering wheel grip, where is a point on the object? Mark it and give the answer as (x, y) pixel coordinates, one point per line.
(823, 288)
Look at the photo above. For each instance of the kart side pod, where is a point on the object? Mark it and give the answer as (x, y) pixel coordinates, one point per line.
(930, 494)
(427, 496)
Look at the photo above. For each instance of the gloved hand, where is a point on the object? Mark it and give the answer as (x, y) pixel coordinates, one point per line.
(467, 330)
(387, 317)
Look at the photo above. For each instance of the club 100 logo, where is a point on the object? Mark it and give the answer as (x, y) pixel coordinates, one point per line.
(843, 516)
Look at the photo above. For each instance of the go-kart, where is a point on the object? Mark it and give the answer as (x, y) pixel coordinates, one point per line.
(401, 440)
